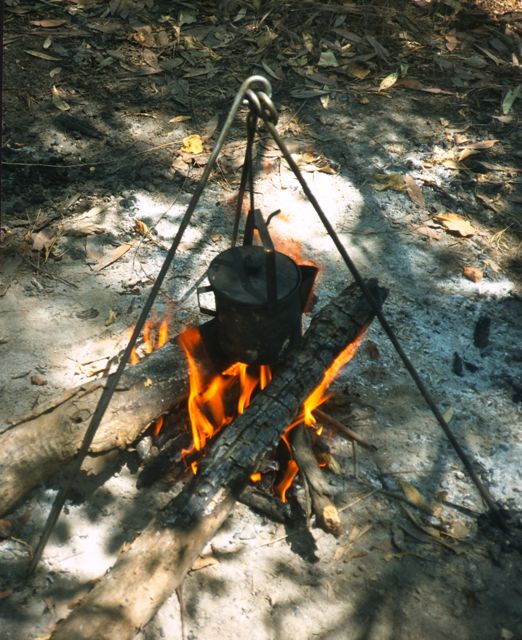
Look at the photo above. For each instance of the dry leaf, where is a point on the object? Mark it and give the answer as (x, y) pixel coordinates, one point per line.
(357, 70)
(482, 144)
(456, 224)
(147, 383)
(509, 99)
(473, 273)
(414, 191)
(41, 55)
(393, 181)
(38, 380)
(327, 59)
(58, 100)
(49, 23)
(192, 144)
(140, 227)
(389, 81)
(111, 256)
(180, 118)
(203, 562)
(414, 495)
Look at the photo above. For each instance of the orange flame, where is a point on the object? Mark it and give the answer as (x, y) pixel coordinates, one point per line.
(207, 402)
(288, 478)
(265, 376)
(255, 477)
(155, 336)
(318, 395)
(158, 425)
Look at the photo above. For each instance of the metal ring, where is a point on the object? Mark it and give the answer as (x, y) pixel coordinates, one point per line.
(254, 102)
(268, 107)
(266, 86)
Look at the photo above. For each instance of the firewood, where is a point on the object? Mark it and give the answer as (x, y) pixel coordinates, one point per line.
(151, 567)
(323, 508)
(43, 441)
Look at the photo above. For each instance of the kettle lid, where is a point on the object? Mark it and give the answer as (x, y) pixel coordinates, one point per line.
(240, 274)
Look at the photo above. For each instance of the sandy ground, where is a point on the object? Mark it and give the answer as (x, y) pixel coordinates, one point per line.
(385, 577)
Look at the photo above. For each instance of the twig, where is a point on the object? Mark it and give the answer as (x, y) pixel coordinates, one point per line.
(342, 428)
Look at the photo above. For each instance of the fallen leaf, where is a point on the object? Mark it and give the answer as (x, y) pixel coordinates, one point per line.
(140, 227)
(509, 99)
(147, 383)
(49, 23)
(389, 81)
(357, 70)
(327, 59)
(473, 273)
(454, 223)
(203, 562)
(58, 100)
(393, 181)
(414, 191)
(112, 256)
(111, 318)
(38, 380)
(180, 118)
(41, 55)
(414, 495)
(47, 42)
(192, 144)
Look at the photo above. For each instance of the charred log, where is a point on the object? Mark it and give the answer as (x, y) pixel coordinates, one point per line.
(155, 563)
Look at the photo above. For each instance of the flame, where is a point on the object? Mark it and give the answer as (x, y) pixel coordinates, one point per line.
(319, 395)
(158, 425)
(207, 403)
(255, 477)
(155, 336)
(288, 478)
(265, 376)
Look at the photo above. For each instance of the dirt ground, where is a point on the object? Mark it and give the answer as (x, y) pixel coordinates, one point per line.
(405, 118)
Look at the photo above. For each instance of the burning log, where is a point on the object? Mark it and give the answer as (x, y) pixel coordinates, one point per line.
(47, 438)
(149, 569)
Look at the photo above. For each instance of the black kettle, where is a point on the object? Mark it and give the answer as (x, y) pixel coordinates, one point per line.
(260, 295)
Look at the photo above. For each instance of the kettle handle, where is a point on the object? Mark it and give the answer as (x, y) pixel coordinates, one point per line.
(256, 221)
(205, 289)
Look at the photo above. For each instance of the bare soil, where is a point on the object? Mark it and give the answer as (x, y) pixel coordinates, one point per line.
(96, 111)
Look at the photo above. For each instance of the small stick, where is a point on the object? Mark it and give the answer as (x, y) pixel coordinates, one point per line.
(355, 461)
(323, 508)
(342, 428)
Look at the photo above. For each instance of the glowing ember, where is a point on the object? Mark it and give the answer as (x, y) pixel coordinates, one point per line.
(255, 477)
